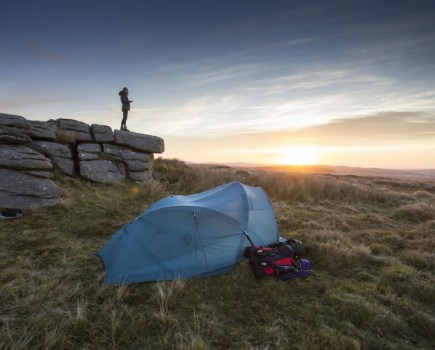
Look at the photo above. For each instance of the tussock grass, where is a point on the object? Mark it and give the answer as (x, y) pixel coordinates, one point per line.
(65, 136)
(370, 241)
(415, 212)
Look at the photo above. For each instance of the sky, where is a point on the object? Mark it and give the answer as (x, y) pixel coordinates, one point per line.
(339, 82)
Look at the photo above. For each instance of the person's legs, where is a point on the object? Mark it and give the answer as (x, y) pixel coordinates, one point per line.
(124, 120)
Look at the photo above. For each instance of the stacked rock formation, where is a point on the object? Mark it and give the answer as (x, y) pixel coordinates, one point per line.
(31, 150)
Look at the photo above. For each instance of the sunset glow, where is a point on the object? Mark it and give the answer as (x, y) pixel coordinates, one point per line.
(298, 156)
(273, 82)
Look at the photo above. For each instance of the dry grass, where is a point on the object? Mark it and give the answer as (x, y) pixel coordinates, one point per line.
(370, 240)
(65, 136)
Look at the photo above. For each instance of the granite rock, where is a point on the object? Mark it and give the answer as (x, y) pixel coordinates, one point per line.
(80, 130)
(52, 149)
(20, 190)
(14, 138)
(14, 123)
(102, 171)
(141, 142)
(88, 151)
(23, 158)
(42, 130)
(30, 149)
(59, 154)
(102, 133)
(136, 161)
(140, 176)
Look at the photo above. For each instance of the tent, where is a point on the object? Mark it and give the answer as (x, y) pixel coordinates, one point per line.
(203, 234)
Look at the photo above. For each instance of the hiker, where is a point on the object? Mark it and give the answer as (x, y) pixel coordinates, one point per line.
(125, 107)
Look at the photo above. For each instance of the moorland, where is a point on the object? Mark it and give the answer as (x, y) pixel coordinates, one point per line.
(370, 239)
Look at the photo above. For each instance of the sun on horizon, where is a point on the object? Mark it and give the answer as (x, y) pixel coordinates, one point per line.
(297, 155)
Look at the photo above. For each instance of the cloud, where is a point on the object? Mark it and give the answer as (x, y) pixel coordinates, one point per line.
(211, 76)
(383, 128)
(205, 115)
(385, 139)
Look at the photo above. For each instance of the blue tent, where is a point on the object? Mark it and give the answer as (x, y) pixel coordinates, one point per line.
(202, 234)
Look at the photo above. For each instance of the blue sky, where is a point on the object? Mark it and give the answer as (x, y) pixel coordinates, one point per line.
(333, 82)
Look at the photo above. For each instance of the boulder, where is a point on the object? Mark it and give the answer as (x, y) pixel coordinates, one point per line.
(88, 151)
(140, 176)
(73, 125)
(80, 130)
(136, 161)
(20, 190)
(102, 171)
(59, 154)
(23, 158)
(112, 151)
(39, 173)
(128, 154)
(102, 133)
(52, 149)
(15, 138)
(65, 165)
(88, 156)
(42, 130)
(14, 123)
(89, 148)
(137, 165)
(141, 142)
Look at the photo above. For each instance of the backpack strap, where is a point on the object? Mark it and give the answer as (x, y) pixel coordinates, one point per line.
(297, 246)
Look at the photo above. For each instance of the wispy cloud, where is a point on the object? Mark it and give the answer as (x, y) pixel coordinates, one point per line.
(376, 130)
(209, 77)
(383, 139)
(203, 115)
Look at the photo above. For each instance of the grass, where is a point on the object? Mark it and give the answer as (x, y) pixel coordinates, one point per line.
(370, 241)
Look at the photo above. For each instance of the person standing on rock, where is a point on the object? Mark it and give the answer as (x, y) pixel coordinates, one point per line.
(125, 107)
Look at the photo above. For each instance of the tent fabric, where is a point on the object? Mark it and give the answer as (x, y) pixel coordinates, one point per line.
(190, 236)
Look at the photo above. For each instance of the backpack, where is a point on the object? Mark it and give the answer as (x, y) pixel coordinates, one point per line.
(282, 260)
(10, 213)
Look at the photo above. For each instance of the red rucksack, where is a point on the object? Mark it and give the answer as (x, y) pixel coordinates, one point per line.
(281, 260)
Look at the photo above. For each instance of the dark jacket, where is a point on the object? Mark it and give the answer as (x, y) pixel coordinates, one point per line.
(125, 101)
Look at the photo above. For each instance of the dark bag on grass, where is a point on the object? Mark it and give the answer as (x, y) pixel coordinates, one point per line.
(281, 260)
(11, 213)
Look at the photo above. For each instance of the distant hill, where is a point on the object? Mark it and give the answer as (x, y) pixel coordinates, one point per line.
(426, 174)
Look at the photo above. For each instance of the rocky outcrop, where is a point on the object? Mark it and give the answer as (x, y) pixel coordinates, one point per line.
(42, 130)
(80, 131)
(139, 142)
(102, 133)
(30, 151)
(102, 171)
(13, 138)
(60, 155)
(88, 151)
(20, 190)
(22, 158)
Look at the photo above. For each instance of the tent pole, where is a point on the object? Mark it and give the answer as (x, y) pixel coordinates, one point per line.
(249, 238)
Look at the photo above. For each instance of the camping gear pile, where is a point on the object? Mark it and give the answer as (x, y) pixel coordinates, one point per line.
(203, 234)
(283, 260)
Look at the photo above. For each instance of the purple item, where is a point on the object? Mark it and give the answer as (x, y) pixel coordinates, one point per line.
(305, 268)
(302, 269)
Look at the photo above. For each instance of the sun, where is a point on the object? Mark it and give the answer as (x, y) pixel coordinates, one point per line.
(298, 155)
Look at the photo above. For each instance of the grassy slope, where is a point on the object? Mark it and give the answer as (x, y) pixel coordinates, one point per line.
(370, 240)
